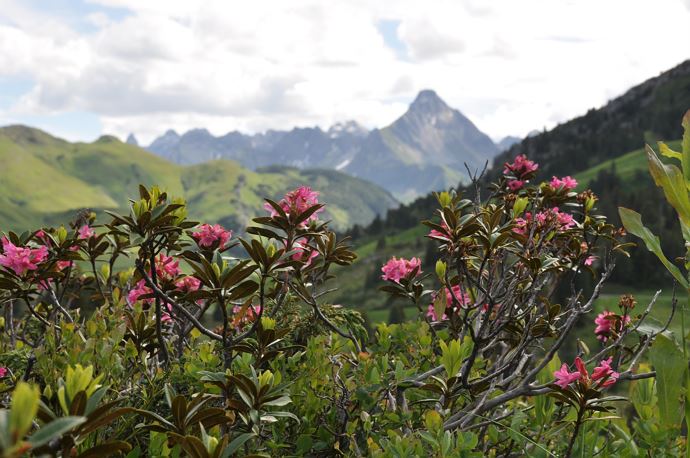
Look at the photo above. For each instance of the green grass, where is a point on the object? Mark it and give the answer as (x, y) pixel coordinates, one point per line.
(626, 166)
(46, 180)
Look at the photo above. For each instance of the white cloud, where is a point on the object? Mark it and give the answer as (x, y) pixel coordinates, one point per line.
(511, 66)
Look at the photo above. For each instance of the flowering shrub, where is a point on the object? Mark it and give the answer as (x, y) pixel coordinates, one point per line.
(154, 335)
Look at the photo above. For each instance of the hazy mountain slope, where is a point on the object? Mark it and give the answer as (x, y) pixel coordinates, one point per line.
(424, 150)
(308, 147)
(507, 142)
(45, 179)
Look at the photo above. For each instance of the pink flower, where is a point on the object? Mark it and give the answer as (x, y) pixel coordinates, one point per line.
(43, 237)
(297, 202)
(603, 322)
(602, 373)
(140, 289)
(444, 234)
(521, 224)
(566, 183)
(565, 378)
(188, 284)
(3, 371)
(590, 260)
(396, 269)
(520, 167)
(86, 232)
(21, 259)
(581, 368)
(565, 220)
(431, 312)
(166, 317)
(605, 373)
(303, 252)
(208, 235)
(608, 322)
(167, 267)
(515, 185)
(62, 265)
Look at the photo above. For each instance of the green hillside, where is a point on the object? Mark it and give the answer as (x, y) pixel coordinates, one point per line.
(626, 166)
(45, 180)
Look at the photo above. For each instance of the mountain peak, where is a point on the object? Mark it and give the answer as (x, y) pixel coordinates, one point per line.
(132, 140)
(428, 101)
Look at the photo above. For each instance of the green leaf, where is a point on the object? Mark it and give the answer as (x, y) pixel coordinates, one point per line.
(24, 407)
(236, 444)
(686, 145)
(452, 355)
(673, 182)
(632, 221)
(54, 429)
(665, 150)
(670, 366)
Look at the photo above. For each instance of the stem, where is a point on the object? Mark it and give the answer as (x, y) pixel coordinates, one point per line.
(580, 414)
(159, 328)
(98, 280)
(687, 376)
(9, 322)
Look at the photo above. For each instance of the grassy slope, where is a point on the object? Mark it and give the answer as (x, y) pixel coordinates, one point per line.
(626, 165)
(44, 180)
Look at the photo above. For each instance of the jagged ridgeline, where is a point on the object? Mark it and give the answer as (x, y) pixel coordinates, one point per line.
(47, 180)
(424, 150)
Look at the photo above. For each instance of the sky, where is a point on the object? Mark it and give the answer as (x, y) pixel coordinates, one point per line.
(83, 68)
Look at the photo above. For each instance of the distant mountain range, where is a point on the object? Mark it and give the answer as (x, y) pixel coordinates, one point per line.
(47, 180)
(424, 150)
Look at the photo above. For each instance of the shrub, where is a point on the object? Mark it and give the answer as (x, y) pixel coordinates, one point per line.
(155, 335)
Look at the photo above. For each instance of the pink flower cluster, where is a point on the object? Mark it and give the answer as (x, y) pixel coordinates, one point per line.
(166, 267)
(609, 324)
(85, 232)
(461, 296)
(515, 185)
(568, 183)
(3, 371)
(188, 284)
(396, 269)
(297, 201)
(208, 235)
(553, 217)
(520, 167)
(21, 259)
(603, 374)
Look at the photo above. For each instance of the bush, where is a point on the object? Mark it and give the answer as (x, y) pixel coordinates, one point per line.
(144, 336)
